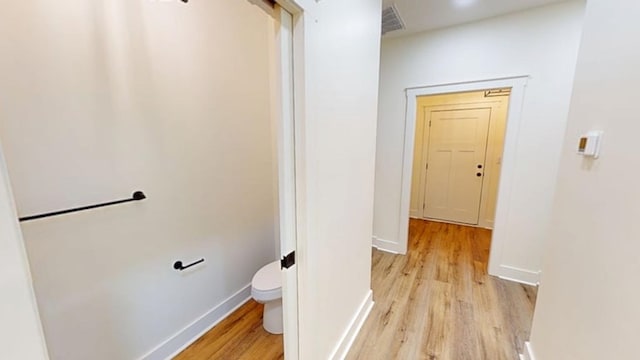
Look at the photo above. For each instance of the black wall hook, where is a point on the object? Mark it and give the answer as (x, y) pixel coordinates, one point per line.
(178, 265)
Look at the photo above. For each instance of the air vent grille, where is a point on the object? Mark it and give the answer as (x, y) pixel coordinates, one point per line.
(391, 20)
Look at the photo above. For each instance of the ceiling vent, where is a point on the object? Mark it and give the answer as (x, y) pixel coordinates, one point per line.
(391, 20)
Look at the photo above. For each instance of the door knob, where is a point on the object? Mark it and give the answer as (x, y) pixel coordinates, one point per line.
(479, 174)
(479, 166)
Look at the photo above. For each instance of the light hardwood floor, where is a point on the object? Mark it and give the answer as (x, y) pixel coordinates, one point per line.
(436, 303)
(240, 336)
(439, 303)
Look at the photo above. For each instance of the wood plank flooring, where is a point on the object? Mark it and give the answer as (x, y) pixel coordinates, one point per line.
(436, 303)
(240, 336)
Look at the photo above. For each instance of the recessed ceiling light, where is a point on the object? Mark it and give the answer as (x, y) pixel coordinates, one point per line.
(464, 3)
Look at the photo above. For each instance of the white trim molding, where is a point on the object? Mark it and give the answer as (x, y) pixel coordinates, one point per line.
(349, 336)
(522, 276)
(285, 118)
(528, 352)
(517, 85)
(182, 339)
(385, 245)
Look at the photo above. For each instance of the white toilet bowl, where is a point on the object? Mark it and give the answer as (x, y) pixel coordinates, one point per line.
(266, 288)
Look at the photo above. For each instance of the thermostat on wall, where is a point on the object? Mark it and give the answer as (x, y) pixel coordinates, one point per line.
(590, 144)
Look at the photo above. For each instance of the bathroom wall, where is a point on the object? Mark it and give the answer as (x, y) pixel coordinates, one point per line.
(101, 98)
(542, 43)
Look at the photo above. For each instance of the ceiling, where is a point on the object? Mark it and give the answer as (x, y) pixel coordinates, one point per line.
(423, 15)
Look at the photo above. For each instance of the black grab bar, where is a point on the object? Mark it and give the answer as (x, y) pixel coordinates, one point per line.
(137, 196)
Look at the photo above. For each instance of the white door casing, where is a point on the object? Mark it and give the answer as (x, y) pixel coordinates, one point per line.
(517, 84)
(287, 178)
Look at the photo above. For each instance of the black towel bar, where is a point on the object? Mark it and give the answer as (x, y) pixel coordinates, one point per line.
(137, 196)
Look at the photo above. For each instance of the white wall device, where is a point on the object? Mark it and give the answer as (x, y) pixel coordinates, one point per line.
(590, 144)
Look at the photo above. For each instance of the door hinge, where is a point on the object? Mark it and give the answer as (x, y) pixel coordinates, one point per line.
(429, 123)
(288, 261)
(427, 167)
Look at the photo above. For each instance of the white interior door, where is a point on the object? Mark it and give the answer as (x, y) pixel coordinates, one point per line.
(457, 144)
(287, 182)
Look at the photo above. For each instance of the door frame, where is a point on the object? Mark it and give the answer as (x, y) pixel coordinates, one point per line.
(284, 118)
(517, 84)
(289, 89)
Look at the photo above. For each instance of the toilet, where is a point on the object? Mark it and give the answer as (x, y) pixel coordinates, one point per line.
(266, 288)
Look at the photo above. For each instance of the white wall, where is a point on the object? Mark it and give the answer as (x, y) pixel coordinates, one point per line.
(341, 64)
(542, 43)
(588, 301)
(21, 334)
(98, 99)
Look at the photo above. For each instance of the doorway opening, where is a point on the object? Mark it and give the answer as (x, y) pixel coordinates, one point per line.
(268, 327)
(516, 87)
(459, 140)
(194, 207)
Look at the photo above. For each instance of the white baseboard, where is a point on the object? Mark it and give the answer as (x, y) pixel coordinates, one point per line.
(192, 332)
(485, 224)
(385, 245)
(349, 336)
(522, 276)
(528, 352)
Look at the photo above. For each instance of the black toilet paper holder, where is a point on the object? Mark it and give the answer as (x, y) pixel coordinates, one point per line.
(178, 265)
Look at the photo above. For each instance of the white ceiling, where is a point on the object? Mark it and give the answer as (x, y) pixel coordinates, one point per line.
(422, 15)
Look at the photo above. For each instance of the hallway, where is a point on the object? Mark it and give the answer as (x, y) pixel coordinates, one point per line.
(438, 302)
